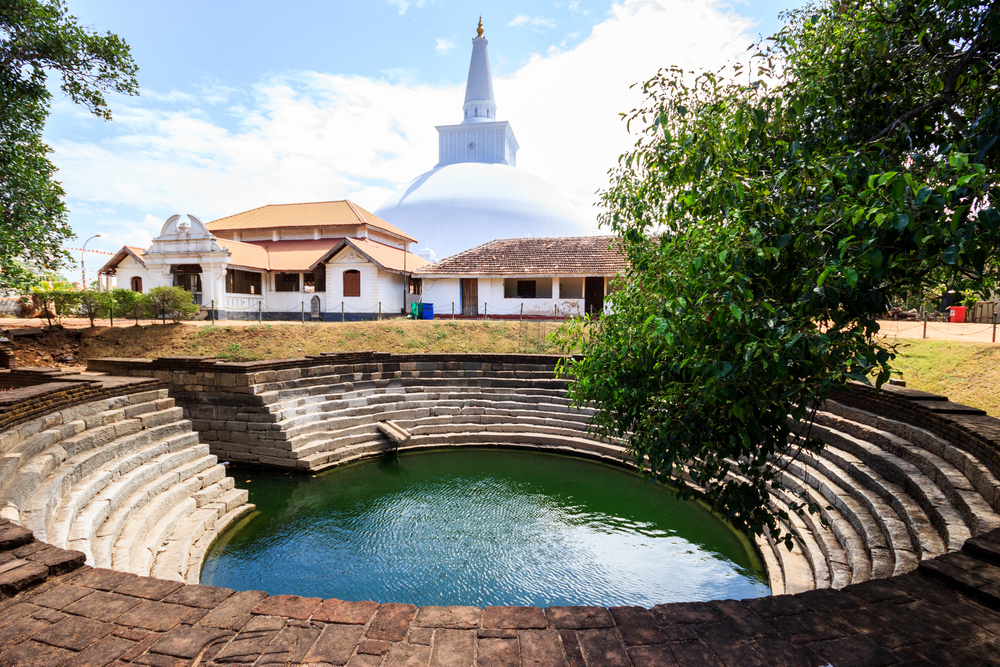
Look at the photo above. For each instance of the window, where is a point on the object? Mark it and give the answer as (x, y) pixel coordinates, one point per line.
(242, 282)
(315, 281)
(530, 288)
(136, 284)
(352, 283)
(571, 288)
(286, 282)
(416, 286)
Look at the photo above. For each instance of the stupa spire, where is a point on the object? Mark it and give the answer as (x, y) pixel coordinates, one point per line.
(480, 105)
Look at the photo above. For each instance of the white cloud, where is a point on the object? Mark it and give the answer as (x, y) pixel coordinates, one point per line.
(444, 46)
(403, 5)
(306, 136)
(535, 22)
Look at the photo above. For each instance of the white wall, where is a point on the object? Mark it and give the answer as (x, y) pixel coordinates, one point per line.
(443, 291)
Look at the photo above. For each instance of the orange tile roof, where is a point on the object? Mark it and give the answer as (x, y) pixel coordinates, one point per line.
(245, 255)
(311, 214)
(381, 255)
(293, 256)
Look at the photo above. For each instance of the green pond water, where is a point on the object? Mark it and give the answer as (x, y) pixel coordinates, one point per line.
(481, 527)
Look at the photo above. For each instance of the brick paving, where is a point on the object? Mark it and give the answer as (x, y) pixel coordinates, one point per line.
(56, 611)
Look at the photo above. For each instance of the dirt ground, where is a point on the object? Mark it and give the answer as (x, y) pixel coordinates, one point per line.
(72, 347)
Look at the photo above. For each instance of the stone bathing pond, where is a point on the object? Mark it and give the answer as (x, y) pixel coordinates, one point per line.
(120, 468)
(480, 527)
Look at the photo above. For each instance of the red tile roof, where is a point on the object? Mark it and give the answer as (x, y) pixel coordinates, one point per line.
(552, 256)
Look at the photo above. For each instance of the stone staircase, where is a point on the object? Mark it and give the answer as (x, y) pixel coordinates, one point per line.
(893, 495)
(315, 422)
(895, 491)
(124, 480)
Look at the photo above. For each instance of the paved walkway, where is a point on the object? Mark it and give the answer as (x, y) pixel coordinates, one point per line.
(59, 612)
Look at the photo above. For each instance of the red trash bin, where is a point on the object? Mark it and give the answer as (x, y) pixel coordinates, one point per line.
(958, 313)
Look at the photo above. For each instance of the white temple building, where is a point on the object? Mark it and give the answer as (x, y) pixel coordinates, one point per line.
(475, 193)
(320, 260)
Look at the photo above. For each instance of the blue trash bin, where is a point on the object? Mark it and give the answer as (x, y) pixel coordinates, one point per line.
(428, 311)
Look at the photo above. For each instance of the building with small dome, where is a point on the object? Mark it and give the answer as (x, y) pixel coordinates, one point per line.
(475, 193)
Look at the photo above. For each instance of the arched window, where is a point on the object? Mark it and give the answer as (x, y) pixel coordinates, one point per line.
(136, 284)
(352, 283)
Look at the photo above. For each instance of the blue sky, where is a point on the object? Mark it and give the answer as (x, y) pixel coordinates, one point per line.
(244, 104)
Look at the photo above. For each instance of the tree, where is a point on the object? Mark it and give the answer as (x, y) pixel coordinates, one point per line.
(174, 302)
(38, 37)
(769, 213)
(130, 304)
(93, 304)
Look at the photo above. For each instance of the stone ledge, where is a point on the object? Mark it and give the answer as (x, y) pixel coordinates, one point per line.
(99, 617)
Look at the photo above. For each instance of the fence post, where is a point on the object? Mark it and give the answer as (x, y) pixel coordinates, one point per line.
(452, 310)
(211, 311)
(111, 308)
(994, 327)
(555, 311)
(342, 311)
(260, 316)
(303, 312)
(521, 317)
(485, 304)
(380, 311)
(925, 324)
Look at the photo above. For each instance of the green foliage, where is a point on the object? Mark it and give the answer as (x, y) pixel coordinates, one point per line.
(93, 305)
(173, 302)
(38, 37)
(131, 304)
(769, 214)
(58, 303)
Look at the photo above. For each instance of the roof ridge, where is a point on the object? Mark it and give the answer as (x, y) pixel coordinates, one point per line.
(357, 212)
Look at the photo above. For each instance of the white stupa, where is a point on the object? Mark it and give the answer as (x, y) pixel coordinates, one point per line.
(475, 193)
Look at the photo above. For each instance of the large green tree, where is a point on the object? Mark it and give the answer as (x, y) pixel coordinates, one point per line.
(39, 38)
(770, 212)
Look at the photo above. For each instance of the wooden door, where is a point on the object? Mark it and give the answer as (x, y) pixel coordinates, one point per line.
(470, 296)
(593, 295)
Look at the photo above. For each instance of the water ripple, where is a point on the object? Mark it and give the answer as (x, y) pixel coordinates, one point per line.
(482, 527)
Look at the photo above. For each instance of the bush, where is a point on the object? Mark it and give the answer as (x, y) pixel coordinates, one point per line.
(58, 303)
(93, 305)
(131, 304)
(174, 302)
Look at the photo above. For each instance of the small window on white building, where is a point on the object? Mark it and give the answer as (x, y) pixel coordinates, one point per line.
(352, 283)
(571, 288)
(286, 282)
(136, 284)
(527, 288)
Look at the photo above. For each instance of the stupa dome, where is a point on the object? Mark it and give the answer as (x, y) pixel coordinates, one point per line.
(455, 207)
(475, 193)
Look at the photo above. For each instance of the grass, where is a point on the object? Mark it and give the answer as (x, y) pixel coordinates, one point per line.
(967, 373)
(284, 341)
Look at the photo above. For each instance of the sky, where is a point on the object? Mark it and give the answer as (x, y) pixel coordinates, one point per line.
(244, 104)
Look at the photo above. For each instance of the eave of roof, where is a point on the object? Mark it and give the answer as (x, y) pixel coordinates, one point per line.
(384, 257)
(134, 252)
